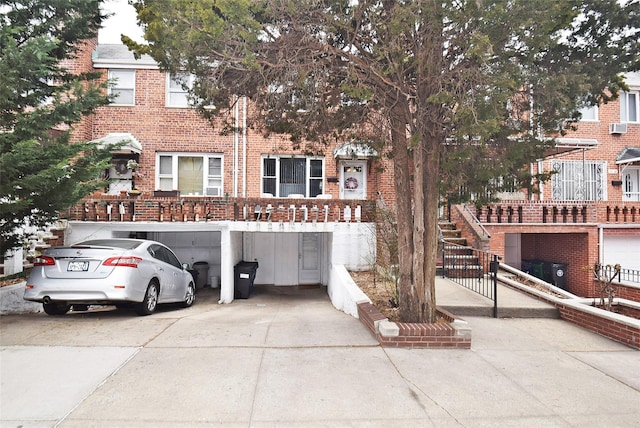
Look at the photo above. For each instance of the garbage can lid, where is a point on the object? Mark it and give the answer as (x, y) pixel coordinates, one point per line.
(200, 263)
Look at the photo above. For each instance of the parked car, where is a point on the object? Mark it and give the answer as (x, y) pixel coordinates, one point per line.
(121, 272)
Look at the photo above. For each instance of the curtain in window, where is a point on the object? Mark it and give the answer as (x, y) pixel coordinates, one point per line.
(293, 176)
(190, 175)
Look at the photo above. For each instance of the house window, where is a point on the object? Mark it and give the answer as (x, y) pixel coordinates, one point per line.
(579, 181)
(285, 175)
(178, 86)
(123, 86)
(631, 183)
(629, 107)
(191, 174)
(589, 113)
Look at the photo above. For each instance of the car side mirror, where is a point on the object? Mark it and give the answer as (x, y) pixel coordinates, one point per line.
(185, 266)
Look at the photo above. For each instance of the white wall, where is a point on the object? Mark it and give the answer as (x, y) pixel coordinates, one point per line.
(354, 246)
(343, 291)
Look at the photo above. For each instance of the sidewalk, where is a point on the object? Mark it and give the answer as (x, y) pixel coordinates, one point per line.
(286, 357)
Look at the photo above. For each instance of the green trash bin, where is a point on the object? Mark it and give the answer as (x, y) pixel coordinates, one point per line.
(537, 269)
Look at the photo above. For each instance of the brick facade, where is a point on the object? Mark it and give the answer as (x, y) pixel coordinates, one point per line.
(560, 231)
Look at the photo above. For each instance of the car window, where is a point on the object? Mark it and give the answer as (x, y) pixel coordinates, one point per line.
(170, 258)
(117, 243)
(154, 251)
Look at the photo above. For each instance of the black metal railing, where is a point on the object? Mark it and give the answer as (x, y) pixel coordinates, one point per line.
(609, 272)
(473, 269)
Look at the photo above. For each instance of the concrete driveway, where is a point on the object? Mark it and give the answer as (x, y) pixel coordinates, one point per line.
(288, 358)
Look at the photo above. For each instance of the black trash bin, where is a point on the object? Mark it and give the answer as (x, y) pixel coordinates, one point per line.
(203, 274)
(556, 274)
(244, 275)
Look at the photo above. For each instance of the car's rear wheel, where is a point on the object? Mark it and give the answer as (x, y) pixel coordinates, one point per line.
(190, 296)
(150, 301)
(56, 308)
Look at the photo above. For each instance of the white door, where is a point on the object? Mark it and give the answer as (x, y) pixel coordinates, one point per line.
(310, 258)
(631, 183)
(353, 180)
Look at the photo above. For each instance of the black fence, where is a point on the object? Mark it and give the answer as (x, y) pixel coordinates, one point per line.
(608, 272)
(473, 269)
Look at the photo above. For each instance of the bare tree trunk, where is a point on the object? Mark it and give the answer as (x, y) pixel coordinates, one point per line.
(402, 183)
(430, 250)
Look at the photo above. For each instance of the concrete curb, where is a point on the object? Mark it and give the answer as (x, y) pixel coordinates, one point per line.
(11, 301)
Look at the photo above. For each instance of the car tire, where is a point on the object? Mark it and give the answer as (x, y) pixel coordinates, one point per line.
(150, 301)
(190, 296)
(56, 308)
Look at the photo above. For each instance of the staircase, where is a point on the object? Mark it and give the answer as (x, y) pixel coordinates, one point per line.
(459, 259)
(42, 239)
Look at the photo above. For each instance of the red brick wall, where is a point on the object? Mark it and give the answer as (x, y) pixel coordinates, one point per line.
(610, 145)
(575, 245)
(621, 332)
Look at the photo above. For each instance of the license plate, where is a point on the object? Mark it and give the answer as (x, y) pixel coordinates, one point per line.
(78, 267)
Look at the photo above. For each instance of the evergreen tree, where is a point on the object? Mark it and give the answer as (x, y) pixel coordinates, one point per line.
(42, 171)
(430, 82)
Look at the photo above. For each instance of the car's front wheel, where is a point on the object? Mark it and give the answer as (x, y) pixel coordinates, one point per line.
(190, 296)
(150, 301)
(56, 308)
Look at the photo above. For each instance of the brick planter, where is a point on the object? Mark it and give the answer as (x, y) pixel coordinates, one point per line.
(455, 333)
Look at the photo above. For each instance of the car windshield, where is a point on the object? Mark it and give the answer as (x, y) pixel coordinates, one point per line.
(127, 244)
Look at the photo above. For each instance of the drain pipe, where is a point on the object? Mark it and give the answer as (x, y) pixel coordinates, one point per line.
(235, 150)
(600, 244)
(244, 147)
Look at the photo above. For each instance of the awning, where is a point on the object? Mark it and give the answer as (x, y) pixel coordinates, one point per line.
(354, 151)
(131, 144)
(564, 145)
(628, 155)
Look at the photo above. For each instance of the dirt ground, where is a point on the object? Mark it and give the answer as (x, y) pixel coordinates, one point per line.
(379, 290)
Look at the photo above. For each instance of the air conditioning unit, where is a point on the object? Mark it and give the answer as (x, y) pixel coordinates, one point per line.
(213, 191)
(119, 169)
(617, 128)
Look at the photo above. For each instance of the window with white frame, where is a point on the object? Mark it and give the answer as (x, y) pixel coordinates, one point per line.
(178, 86)
(579, 181)
(283, 176)
(123, 86)
(629, 107)
(191, 173)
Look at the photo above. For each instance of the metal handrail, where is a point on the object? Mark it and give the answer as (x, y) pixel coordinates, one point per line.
(473, 269)
(477, 221)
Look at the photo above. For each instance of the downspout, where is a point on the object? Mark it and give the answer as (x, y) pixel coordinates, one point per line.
(540, 171)
(244, 147)
(600, 244)
(235, 151)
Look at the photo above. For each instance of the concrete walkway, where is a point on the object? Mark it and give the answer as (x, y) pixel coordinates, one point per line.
(288, 358)
(511, 303)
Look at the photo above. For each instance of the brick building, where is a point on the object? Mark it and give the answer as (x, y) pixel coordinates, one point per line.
(224, 197)
(588, 213)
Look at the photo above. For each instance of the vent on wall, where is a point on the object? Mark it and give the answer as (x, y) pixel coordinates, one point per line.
(617, 128)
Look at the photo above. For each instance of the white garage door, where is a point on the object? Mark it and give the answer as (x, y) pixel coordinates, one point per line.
(622, 249)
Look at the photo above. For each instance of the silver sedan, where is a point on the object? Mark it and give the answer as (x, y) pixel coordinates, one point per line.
(121, 272)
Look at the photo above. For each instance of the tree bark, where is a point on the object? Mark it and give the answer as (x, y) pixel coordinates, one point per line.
(402, 183)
